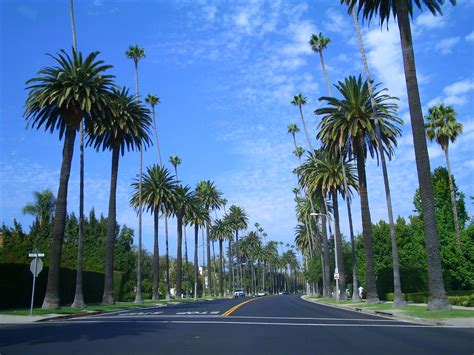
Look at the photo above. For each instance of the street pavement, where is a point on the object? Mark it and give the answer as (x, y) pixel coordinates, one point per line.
(283, 324)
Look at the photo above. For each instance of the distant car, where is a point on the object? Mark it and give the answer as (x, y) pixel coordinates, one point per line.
(239, 293)
(284, 293)
(261, 293)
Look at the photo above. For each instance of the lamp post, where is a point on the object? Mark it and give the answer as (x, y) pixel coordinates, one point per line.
(336, 270)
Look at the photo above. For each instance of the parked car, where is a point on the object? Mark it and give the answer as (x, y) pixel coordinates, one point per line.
(239, 293)
(284, 293)
(261, 293)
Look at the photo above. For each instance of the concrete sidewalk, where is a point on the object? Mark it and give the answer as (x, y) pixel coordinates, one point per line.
(396, 313)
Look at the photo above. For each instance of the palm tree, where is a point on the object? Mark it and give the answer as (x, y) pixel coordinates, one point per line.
(318, 44)
(58, 99)
(79, 297)
(299, 151)
(348, 125)
(175, 161)
(154, 100)
(183, 200)
(403, 11)
(299, 101)
(398, 296)
(43, 206)
(293, 129)
(221, 231)
(210, 197)
(238, 219)
(126, 127)
(198, 216)
(443, 127)
(157, 189)
(324, 172)
(136, 53)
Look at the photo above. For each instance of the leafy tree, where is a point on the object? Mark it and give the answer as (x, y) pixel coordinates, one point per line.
(43, 206)
(58, 99)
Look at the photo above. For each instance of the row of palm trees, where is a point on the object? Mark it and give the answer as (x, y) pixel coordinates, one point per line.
(362, 122)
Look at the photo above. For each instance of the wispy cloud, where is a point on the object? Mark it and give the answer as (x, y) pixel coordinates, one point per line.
(445, 46)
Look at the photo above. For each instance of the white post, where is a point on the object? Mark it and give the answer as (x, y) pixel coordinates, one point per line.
(34, 284)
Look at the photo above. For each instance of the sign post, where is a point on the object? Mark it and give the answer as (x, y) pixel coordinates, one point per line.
(36, 266)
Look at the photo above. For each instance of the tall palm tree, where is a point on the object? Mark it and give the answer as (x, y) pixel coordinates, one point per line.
(443, 127)
(318, 44)
(221, 231)
(43, 206)
(238, 219)
(348, 125)
(58, 99)
(398, 296)
(211, 198)
(78, 296)
(175, 161)
(300, 101)
(298, 152)
(293, 129)
(183, 200)
(198, 216)
(324, 172)
(154, 100)
(126, 127)
(157, 189)
(402, 10)
(135, 52)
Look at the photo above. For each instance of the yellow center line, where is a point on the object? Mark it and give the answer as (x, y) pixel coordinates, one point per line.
(228, 312)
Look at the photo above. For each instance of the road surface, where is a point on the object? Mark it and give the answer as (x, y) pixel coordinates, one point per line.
(282, 324)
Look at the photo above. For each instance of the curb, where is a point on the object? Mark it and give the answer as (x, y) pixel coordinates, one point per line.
(381, 314)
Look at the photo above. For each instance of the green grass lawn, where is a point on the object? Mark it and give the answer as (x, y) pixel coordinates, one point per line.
(419, 311)
(96, 307)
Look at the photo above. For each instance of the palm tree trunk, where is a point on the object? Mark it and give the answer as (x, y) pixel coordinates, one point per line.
(398, 296)
(79, 296)
(326, 275)
(73, 26)
(221, 268)
(338, 242)
(156, 135)
(51, 299)
(305, 129)
(372, 296)
(156, 258)
(179, 256)
(214, 278)
(186, 268)
(209, 260)
(196, 261)
(108, 296)
(437, 298)
(453, 201)
(239, 278)
(138, 295)
(203, 266)
(231, 268)
(168, 294)
(325, 72)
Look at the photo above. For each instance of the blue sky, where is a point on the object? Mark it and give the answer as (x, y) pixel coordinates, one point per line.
(225, 73)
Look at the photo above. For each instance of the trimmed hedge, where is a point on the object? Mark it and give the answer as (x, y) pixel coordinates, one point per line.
(459, 298)
(16, 283)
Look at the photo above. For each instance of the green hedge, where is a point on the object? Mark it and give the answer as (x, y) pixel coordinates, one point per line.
(459, 298)
(16, 282)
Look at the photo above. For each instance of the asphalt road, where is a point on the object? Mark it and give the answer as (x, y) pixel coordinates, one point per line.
(269, 325)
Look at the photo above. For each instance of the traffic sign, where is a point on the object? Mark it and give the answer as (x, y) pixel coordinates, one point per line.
(336, 276)
(36, 266)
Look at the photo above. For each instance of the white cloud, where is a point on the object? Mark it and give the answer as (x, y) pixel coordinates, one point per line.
(429, 21)
(470, 37)
(459, 88)
(445, 46)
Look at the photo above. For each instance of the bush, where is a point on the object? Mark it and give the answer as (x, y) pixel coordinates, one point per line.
(16, 283)
(459, 298)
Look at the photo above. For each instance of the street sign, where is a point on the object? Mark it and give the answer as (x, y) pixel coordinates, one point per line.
(36, 255)
(36, 266)
(336, 276)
